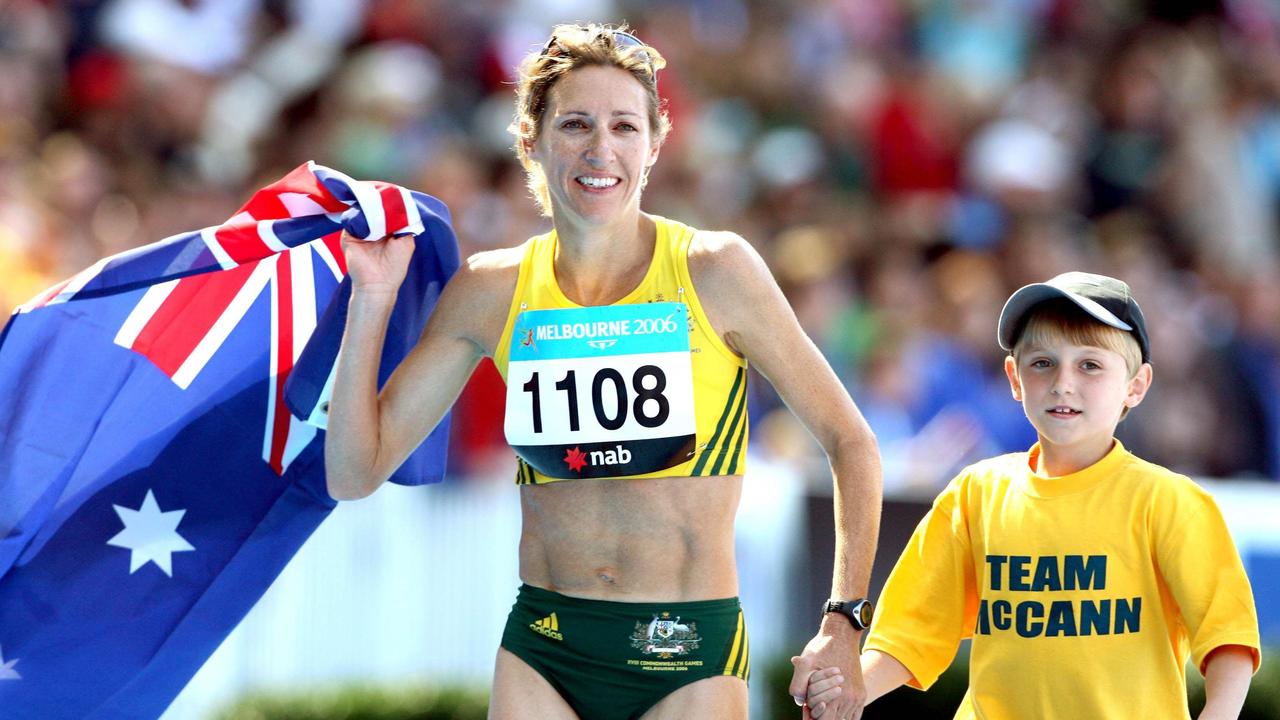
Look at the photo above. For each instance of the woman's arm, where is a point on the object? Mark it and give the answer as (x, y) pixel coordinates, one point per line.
(747, 308)
(370, 433)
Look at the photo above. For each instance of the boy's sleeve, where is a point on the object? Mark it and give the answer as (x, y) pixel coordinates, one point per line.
(1202, 567)
(929, 603)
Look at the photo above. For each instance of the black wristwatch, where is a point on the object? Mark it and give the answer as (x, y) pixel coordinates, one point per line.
(858, 611)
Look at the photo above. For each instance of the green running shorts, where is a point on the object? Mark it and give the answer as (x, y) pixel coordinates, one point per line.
(615, 660)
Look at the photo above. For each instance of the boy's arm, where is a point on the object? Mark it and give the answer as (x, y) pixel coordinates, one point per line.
(1227, 672)
(1201, 566)
(929, 604)
(882, 674)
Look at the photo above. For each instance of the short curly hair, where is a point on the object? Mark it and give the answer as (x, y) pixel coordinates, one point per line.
(572, 47)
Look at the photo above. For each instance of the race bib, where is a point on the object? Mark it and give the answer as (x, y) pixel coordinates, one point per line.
(601, 391)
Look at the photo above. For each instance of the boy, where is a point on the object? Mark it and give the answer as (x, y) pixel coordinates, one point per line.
(1085, 576)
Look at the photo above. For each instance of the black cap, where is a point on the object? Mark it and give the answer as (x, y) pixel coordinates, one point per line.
(1106, 299)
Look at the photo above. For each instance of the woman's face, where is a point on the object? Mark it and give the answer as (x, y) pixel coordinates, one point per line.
(595, 145)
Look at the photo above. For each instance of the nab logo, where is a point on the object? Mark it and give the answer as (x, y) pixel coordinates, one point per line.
(602, 344)
(576, 459)
(618, 456)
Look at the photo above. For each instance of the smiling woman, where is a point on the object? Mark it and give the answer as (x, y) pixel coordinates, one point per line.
(573, 47)
(595, 149)
(624, 339)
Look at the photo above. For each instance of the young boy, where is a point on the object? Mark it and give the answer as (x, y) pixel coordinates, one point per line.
(1085, 575)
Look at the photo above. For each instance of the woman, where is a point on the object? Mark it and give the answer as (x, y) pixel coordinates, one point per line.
(624, 339)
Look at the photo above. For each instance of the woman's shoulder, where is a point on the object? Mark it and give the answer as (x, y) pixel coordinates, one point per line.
(497, 261)
(702, 244)
(722, 261)
(711, 243)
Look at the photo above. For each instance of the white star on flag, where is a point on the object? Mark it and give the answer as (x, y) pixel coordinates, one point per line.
(6, 668)
(151, 535)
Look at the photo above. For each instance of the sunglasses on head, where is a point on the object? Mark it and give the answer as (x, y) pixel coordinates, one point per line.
(620, 39)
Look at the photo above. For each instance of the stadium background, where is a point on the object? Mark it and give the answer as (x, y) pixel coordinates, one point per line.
(902, 166)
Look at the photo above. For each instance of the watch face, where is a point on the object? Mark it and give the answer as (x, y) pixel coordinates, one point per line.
(865, 611)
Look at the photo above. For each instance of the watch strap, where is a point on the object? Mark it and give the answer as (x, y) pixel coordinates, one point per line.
(858, 611)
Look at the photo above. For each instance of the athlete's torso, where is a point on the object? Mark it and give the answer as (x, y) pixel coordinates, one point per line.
(665, 534)
(643, 387)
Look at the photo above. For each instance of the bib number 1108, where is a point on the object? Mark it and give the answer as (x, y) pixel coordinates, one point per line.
(650, 406)
(602, 391)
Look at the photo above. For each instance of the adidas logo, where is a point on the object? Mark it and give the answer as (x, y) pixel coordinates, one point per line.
(549, 626)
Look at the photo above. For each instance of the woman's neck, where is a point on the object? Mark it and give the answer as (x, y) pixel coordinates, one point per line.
(600, 265)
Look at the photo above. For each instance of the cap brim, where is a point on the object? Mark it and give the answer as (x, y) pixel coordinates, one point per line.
(1021, 302)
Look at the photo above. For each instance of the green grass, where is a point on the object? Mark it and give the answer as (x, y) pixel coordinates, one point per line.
(362, 703)
(455, 703)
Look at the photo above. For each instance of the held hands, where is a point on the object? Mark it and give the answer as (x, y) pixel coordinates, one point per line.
(379, 266)
(828, 674)
(824, 689)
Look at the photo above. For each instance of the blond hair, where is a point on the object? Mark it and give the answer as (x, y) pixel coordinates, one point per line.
(572, 47)
(1063, 320)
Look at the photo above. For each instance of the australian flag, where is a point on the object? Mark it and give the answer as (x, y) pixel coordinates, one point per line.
(153, 479)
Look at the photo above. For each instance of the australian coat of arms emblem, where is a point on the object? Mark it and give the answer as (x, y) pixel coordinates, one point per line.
(665, 637)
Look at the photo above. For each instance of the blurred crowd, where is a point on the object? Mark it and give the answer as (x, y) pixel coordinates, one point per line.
(902, 166)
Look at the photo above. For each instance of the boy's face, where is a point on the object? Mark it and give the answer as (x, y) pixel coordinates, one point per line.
(1074, 395)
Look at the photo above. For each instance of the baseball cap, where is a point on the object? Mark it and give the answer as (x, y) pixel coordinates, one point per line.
(1106, 299)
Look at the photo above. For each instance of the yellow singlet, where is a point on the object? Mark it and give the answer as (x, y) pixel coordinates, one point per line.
(719, 383)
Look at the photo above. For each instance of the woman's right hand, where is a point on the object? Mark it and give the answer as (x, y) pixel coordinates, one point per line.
(379, 266)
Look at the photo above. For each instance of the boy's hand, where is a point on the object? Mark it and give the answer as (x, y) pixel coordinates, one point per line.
(835, 646)
(824, 687)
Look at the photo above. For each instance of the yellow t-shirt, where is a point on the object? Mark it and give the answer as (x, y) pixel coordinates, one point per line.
(710, 404)
(1084, 594)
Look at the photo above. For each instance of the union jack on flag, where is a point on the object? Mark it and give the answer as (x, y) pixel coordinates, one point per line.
(286, 234)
